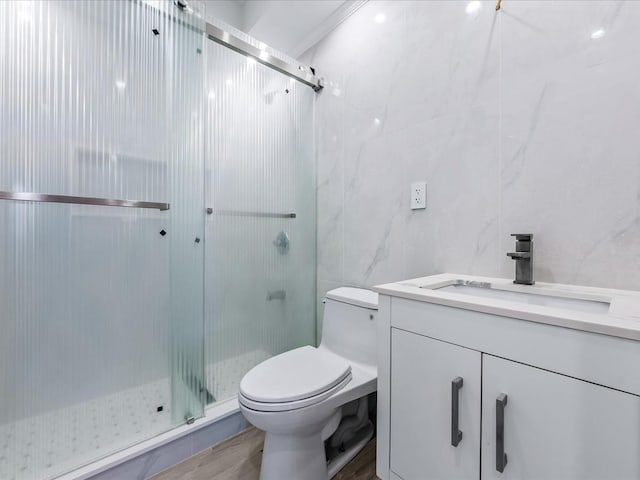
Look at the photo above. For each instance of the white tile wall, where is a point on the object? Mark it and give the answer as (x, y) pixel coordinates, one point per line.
(518, 120)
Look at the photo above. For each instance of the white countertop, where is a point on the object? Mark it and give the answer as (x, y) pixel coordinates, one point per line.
(621, 320)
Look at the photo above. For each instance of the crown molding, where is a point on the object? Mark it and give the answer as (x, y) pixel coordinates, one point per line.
(343, 12)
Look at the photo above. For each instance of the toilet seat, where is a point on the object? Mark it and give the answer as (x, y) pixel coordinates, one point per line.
(287, 406)
(294, 379)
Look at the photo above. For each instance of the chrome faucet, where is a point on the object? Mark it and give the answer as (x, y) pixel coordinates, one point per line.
(524, 258)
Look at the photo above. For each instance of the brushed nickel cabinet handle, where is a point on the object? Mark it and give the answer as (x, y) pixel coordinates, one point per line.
(456, 434)
(501, 457)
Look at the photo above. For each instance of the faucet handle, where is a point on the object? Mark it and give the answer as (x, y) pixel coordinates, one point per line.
(523, 237)
(519, 255)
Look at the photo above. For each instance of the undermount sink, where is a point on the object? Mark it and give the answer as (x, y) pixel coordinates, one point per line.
(534, 297)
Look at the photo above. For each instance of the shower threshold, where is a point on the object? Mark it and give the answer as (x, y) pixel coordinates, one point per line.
(152, 454)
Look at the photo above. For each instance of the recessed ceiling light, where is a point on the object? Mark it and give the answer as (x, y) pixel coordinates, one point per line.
(376, 120)
(120, 84)
(597, 34)
(380, 18)
(473, 6)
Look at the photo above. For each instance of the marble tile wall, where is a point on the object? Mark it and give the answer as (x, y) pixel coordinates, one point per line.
(518, 120)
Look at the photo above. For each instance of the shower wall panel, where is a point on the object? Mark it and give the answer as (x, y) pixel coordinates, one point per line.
(260, 253)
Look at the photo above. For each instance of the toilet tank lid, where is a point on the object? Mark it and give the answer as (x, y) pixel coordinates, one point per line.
(354, 296)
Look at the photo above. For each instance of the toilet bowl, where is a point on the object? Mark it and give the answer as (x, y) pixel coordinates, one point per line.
(302, 397)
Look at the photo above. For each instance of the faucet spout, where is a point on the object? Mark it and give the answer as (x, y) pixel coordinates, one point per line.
(524, 258)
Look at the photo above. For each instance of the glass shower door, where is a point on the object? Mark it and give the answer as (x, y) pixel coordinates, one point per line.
(97, 348)
(260, 191)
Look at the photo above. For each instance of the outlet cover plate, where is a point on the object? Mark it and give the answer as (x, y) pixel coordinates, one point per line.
(418, 195)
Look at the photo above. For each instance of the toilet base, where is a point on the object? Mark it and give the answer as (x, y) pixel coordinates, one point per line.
(303, 457)
(293, 457)
(355, 446)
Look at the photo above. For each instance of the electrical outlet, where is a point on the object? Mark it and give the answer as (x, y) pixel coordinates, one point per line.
(418, 195)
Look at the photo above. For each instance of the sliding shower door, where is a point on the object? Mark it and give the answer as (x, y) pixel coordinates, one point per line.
(157, 214)
(101, 306)
(260, 191)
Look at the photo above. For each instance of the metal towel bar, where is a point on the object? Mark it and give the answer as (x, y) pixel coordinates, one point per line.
(240, 213)
(108, 202)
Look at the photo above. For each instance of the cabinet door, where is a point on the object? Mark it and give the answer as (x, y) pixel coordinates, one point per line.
(556, 427)
(426, 377)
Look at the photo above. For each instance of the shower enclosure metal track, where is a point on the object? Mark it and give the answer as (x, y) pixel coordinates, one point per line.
(107, 202)
(242, 213)
(302, 73)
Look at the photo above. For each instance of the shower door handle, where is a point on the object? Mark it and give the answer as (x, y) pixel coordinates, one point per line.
(104, 202)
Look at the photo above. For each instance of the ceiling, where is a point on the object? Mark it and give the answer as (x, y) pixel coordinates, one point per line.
(290, 26)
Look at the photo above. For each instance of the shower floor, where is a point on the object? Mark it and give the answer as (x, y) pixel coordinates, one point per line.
(223, 376)
(50, 444)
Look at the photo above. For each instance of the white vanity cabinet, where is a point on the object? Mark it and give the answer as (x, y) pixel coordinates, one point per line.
(552, 426)
(533, 400)
(556, 427)
(435, 393)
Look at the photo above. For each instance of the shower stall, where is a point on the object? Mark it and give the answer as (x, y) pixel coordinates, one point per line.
(157, 213)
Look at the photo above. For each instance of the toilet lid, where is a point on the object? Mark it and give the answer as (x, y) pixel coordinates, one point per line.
(359, 297)
(301, 373)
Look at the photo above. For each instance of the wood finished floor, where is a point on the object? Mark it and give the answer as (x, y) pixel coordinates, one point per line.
(239, 459)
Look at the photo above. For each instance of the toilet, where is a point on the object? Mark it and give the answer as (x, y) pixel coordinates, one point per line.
(312, 402)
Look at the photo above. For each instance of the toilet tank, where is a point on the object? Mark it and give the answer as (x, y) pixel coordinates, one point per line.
(349, 324)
